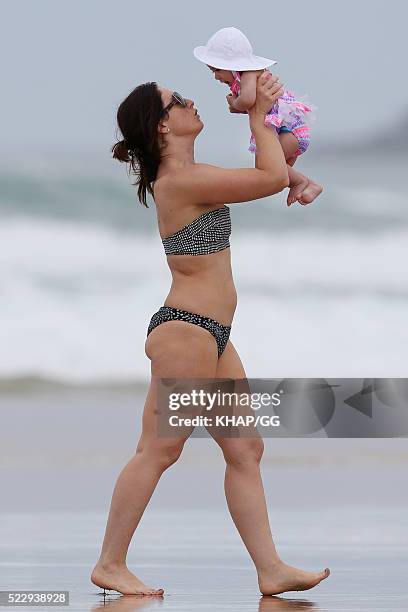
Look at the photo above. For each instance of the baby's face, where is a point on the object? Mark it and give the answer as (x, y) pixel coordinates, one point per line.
(224, 76)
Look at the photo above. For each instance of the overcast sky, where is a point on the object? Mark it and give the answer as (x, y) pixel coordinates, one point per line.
(67, 64)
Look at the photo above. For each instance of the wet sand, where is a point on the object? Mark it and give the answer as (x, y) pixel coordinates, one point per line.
(336, 503)
(199, 560)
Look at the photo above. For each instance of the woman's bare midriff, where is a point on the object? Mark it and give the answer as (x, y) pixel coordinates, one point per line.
(203, 284)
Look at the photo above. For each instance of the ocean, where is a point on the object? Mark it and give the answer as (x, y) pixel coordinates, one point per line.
(322, 289)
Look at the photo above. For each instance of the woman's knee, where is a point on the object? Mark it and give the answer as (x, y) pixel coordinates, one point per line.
(163, 453)
(243, 452)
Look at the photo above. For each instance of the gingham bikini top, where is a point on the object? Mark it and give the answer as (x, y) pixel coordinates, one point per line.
(206, 234)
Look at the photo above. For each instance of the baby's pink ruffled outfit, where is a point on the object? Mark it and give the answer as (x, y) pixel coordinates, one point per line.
(286, 115)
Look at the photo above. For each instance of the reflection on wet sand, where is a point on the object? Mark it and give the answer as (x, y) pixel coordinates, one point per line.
(128, 603)
(279, 604)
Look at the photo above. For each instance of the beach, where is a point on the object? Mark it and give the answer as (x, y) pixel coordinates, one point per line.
(197, 557)
(322, 293)
(339, 503)
(73, 378)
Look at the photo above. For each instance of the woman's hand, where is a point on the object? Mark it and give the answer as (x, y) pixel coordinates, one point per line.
(268, 90)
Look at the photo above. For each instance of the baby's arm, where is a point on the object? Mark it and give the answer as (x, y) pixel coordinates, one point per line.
(247, 97)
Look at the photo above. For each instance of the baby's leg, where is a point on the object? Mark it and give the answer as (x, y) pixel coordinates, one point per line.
(302, 188)
(297, 182)
(290, 145)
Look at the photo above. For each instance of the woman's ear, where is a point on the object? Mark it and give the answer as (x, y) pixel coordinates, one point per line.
(162, 128)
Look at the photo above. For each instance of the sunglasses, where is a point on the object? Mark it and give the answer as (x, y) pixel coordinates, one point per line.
(176, 99)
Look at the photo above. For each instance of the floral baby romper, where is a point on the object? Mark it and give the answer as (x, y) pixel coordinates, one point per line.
(286, 115)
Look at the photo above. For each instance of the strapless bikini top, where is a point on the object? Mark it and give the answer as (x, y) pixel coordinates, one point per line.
(206, 234)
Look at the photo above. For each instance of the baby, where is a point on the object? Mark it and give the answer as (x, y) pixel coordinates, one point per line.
(228, 54)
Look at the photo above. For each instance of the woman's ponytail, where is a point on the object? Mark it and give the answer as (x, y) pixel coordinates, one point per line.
(138, 118)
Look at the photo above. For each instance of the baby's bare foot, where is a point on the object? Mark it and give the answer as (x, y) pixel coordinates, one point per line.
(282, 578)
(312, 191)
(119, 578)
(297, 188)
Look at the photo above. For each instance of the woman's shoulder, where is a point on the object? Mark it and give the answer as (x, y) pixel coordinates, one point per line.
(174, 181)
(192, 184)
(184, 173)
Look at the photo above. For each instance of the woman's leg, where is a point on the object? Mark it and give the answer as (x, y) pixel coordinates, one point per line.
(192, 353)
(246, 500)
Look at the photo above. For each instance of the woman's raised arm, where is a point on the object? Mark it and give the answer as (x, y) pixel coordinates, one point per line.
(206, 184)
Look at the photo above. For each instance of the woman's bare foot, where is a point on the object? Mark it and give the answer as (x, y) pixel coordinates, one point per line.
(312, 191)
(297, 188)
(282, 578)
(119, 578)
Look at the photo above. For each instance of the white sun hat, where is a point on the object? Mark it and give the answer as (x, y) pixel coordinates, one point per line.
(229, 49)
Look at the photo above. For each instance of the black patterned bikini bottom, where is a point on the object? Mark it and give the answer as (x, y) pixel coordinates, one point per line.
(169, 313)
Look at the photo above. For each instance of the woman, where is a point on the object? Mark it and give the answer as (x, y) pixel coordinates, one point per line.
(189, 336)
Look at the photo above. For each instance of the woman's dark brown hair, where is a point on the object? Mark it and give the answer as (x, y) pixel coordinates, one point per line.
(138, 117)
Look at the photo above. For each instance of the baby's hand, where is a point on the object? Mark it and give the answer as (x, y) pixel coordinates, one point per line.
(230, 99)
